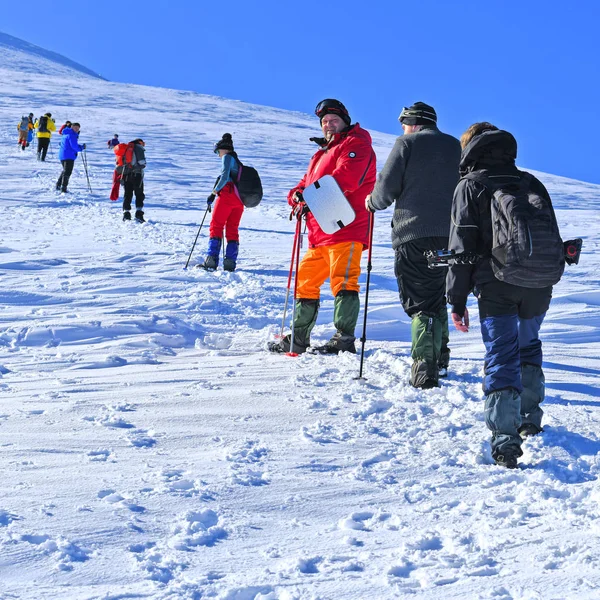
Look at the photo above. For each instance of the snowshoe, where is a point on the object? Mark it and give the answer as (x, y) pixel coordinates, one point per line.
(340, 342)
(528, 430)
(210, 263)
(508, 461)
(283, 346)
(126, 216)
(139, 216)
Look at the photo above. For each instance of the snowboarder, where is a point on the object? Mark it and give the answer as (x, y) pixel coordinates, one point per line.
(346, 153)
(67, 154)
(24, 127)
(113, 142)
(228, 209)
(131, 162)
(45, 126)
(419, 177)
(510, 315)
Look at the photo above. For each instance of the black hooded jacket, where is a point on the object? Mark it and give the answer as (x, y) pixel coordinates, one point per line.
(492, 155)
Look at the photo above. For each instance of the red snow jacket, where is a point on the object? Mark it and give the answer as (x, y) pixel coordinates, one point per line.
(350, 158)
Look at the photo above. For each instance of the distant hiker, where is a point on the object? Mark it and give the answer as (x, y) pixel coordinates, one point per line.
(113, 142)
(31, 129)
(512, 280)
(228, 209)
(131, 162)
(67, 153)
(45, 126)
(24, 126)
(419, 178)
(346, 153)
(63, 126)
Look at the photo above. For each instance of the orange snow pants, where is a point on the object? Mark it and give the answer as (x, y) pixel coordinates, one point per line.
(339, 262)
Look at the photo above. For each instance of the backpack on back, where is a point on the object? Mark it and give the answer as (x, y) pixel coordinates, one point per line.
(248, 185)
(24, 124)
(43, 124)
(527, 249)
(125, 154)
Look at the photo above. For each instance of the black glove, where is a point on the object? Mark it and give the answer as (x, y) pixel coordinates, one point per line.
(210, 199)
(84, 146)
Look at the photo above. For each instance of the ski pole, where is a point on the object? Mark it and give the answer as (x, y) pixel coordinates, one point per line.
(298, 246)
(194, 245)
(363, 339)
(84, 157)
(289, 283)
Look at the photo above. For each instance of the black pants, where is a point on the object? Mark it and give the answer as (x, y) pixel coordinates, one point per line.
(43, 143)
(133, 183)
(421, 289)
(63, 180)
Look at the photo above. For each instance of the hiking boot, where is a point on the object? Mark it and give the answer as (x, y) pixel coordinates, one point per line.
(528, 430)
(126, 216)
(229, 264)
(423, 375)
(283, 346)
(210, 263)
(340, 342)
(139, 216)
(508, 461)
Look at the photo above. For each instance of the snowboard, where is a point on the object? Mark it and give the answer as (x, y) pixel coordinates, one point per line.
(328, 205)
(114, 192)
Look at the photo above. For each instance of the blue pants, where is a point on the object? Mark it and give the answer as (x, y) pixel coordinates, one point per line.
(510, 341)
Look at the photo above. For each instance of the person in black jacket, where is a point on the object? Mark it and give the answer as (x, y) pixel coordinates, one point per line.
(510, 315)
(419, 176)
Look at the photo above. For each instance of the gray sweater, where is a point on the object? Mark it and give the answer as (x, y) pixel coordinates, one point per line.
(419, 175)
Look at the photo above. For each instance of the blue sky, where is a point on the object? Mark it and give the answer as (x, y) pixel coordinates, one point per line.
(530, 67)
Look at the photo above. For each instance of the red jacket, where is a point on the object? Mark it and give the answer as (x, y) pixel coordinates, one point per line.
(350, 158)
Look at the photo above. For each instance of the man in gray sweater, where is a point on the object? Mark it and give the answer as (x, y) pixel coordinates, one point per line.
(419, 176)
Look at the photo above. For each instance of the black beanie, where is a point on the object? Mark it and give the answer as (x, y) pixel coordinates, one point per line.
(225, 143)
(418, 114)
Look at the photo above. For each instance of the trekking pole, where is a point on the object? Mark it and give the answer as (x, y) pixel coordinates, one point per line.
(194, 245)
(50, 148)
(363, 339)
(85, 167)
(298, 246)
(289, 283)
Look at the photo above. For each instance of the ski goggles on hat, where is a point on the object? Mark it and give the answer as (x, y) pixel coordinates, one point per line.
(330, 106)
(416, 114)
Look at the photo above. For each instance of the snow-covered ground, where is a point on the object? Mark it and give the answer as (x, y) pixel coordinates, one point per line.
(151, 448)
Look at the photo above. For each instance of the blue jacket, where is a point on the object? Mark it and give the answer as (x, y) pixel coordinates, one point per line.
(229, 172)
(69, 147)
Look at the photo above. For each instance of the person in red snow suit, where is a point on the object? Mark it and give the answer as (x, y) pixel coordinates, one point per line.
(228, 209)
(64, 126)
(346, 153)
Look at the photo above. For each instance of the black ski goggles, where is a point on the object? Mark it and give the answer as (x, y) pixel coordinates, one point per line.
(330, 106)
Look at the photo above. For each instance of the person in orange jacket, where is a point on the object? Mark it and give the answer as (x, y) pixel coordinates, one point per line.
(346, 153)
(24, 126)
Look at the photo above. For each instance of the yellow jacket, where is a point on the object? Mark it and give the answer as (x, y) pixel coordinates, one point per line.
(45, 134)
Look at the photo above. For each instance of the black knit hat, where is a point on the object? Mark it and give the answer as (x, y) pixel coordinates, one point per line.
(225, 143)
(331, 106)
(418, 114)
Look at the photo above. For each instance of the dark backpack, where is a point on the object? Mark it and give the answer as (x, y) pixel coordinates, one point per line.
(248, 185)
(527, 249)
(24, 124)
(43, 125)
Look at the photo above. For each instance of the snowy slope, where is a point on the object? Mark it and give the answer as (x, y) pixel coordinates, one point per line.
(151, 448)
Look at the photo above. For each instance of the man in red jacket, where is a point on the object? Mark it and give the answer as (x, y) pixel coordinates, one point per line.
(347, 154)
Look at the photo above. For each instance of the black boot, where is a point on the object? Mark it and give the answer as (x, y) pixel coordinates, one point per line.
(126, 216)
(139, 216)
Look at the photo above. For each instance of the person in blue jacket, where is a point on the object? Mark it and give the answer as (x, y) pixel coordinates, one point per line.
(69, 147)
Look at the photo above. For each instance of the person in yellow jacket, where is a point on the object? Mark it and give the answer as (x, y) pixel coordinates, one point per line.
(45, 126)
(23, 127)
